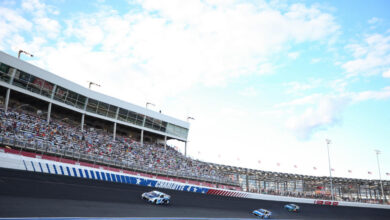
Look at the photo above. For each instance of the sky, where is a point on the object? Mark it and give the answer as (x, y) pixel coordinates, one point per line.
(267, 82)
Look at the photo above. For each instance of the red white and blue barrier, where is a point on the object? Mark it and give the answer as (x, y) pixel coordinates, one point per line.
(13, 160)
(46, 166)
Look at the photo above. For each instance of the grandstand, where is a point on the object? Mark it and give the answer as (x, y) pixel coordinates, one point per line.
(44, 113)
(287, 184)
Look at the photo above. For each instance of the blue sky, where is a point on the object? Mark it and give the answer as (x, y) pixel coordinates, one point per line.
(266, 81)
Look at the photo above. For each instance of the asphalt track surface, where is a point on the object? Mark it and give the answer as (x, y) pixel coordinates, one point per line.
(29, 194)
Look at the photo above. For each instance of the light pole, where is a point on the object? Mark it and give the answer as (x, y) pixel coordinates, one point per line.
(328, 141)
(185, 143)
(380, 178)
(22, 51)
(92, 83)
(149, 103)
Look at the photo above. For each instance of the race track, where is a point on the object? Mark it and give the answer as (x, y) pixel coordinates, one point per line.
(28, 194)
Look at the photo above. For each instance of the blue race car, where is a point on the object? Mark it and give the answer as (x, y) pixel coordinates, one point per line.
(156, 197)
(292, 208)
(262, 213)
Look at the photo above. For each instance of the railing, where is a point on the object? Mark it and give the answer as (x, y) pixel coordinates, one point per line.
(46, 147)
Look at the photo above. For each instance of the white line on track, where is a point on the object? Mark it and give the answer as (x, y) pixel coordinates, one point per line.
(119, 218)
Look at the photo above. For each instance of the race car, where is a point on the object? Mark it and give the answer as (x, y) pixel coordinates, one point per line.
(292, 208)
(262, 213)
(156, 197)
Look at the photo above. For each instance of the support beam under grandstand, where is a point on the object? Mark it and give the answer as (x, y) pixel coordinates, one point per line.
(9, 90)
(375, 195)
(165, 142)
(7, 99)
(116, 118)
(247, 182)
(340, 193)
(295, 185)
(142, 137)
(370, 193)
(142, 131)
(50, 104)
(83, 115)
(185, 148)
(48, 113)
(82, 121)
(114, 132)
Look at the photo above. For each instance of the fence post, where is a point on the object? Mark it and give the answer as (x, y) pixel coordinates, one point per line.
(20, 152)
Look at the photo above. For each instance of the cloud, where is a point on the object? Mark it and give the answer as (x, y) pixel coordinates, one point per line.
(40, 13)
(386, 74)
(169, 47)
(315, 60)
(49, 26)
(371, 57)
(298, 87)
(21, 27)
(38, 9)
(373, 20)
(340, 85)
(293, 55)
(372, 95)
(325, 113)
(248, 92)
(310, 99)
(11, 23)
(321, 111)
(266, 68)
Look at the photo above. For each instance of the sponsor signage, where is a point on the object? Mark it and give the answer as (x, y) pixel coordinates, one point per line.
(324, 202)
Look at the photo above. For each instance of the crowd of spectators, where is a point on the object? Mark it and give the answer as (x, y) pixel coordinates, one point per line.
(320, 196)
(61, 136)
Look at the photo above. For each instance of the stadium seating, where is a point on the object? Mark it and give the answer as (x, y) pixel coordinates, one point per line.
(99, 146)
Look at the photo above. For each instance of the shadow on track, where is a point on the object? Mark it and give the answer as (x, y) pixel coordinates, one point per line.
(28, 194)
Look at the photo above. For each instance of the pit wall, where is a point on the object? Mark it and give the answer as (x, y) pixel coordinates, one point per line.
(11, 160)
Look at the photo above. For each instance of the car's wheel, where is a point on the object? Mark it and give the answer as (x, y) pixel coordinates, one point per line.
(155, 202)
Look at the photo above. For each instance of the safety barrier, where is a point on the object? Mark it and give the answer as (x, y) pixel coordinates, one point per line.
(45, 166)
(14, 161)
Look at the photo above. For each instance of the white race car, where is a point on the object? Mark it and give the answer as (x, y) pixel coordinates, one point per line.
(156, 197)
(262, 213)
